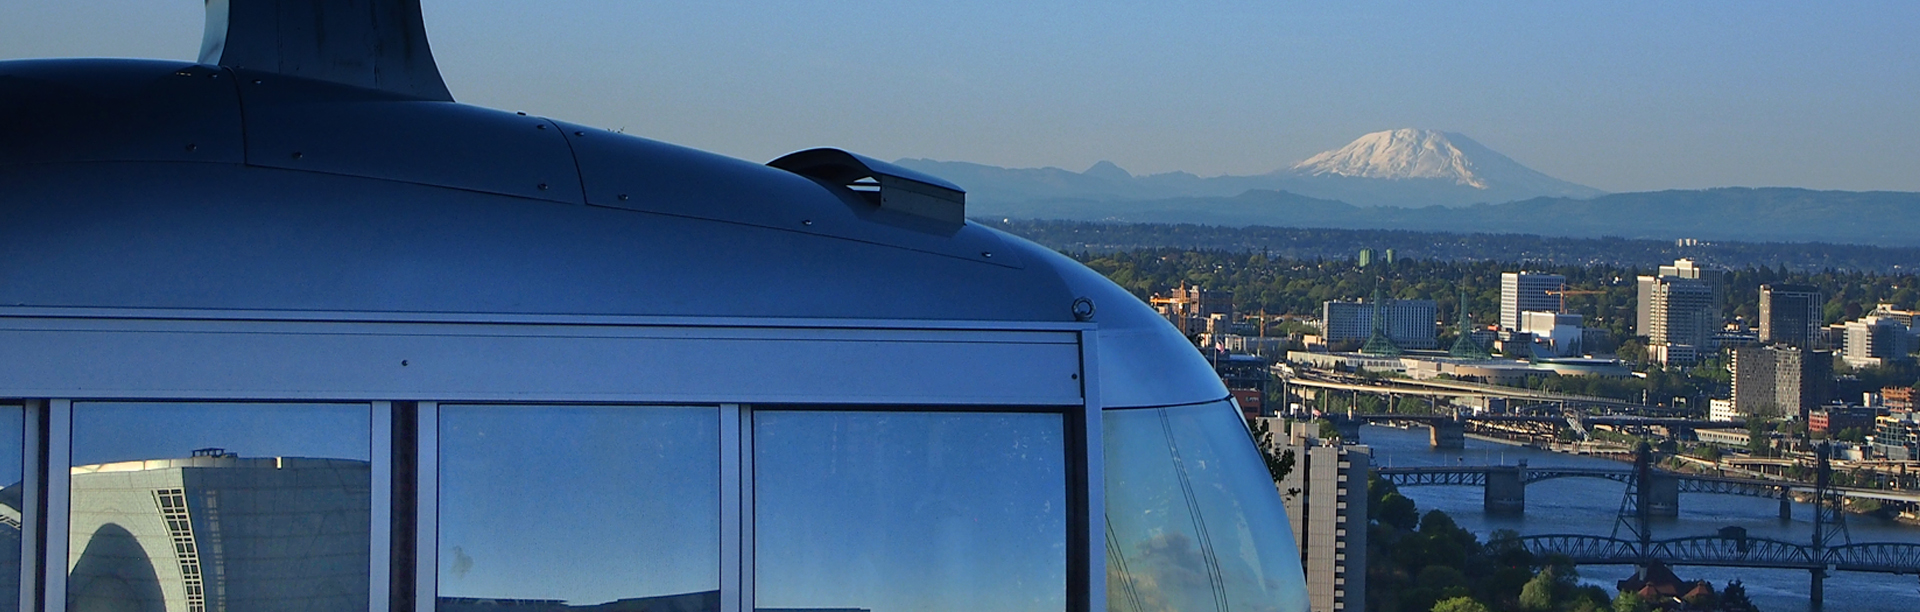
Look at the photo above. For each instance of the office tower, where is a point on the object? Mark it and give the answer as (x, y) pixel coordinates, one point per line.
(1524, 291)
(1408, 323)
(1790, 314)
(1682, 312)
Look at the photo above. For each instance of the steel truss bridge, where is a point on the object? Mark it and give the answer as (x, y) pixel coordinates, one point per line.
(1726, 551)
(1688, 483)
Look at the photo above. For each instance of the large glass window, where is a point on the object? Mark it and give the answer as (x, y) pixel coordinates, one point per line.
(12, 498)
(552, 508)
(909, 511)
(185, 506)
(1193, 520)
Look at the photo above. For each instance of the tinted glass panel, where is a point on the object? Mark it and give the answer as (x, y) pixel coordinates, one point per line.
(219, 507)
(556, 508)
(909, 511)
(11, 449)
(1193, 519)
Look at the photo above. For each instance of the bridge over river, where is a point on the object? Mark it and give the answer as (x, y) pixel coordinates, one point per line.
(1506, 493)
(1652, 492)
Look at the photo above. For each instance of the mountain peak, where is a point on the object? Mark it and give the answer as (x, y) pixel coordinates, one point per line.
(1109, 170)
(1404, 154)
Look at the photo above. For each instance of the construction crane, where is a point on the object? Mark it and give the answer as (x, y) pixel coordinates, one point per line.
(1564, 292)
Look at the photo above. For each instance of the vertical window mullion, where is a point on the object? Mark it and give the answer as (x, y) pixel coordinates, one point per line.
(427, 510)
(32, 502)
(732, 565)
(58, 476)
(380, 534)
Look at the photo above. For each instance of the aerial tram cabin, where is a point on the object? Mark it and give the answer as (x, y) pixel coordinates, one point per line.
(289, 329)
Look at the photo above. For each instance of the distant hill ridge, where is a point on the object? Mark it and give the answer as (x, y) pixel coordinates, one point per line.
(1430, 180)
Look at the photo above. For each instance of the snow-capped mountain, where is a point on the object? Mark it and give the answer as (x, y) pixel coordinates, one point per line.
(1398, 168)
(1429, 155)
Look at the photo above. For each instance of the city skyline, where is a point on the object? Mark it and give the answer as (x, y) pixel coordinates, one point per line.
(1621, 97)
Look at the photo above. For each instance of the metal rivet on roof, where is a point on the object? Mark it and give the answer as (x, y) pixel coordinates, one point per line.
(520, 113)
(623, 197)
(183, 73)
(298, 155)
(806, 222)
(543, 186)
(256, 81)
(192, 147)
(987, 254)
(579, 133)
(540, 127)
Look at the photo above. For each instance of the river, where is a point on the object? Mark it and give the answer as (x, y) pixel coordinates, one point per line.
(1590, 506)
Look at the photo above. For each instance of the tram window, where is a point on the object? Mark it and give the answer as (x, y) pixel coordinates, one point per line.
(563, 507)
(184, 506)
(909, 511)
(12, 427)
(1186, 495)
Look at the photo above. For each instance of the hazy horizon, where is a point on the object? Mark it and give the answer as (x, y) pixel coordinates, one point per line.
(1635, 96)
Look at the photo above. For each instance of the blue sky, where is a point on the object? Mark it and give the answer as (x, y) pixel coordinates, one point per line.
(1622, 96)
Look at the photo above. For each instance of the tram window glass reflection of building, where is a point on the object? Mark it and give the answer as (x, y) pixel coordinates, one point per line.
(209, 506)
(564, 507)
(909, 511)
(12, 496)
(1192, 520)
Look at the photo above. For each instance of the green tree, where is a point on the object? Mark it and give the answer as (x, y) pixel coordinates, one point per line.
(1460, 604)
(1629, 602)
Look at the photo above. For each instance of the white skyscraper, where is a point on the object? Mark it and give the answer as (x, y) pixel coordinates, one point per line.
(1524, 291)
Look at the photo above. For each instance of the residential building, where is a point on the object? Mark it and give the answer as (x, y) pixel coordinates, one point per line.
(1408, 323)
(1524, 291)
(1790, 314)
(1722, 410)
(1775, 382)
(1326, 501)
(1681, 313)
(1896, 436)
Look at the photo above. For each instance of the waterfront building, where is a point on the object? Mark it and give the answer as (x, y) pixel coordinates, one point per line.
(1524, 291)
(1780, 382)
(1877, 339)
(1790, 314)
(1680, 311)
(1408, 323)
(1896, 435)
(1326, 498)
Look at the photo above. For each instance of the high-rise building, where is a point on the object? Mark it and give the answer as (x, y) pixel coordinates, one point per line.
(1408, 323)
(1326, 500)
(1524, 291)
(1877, 339)
(1790, 314)
(1554, 334)
(1774, 381)
(1680, 312)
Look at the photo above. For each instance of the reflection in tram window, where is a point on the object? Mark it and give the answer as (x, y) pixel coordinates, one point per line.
(11, 498)
(1186, 499)
(547, 508)
(909, 511)
(200, 507)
